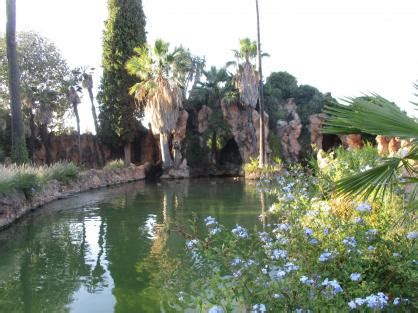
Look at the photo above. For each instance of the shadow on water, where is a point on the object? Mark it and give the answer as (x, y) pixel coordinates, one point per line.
(112, 250)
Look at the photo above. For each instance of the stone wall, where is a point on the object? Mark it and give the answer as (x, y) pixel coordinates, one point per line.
(15, 205)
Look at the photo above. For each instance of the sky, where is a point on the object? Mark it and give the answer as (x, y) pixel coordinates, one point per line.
(346, 47)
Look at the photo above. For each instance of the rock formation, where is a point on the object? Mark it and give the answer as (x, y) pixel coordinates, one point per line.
(352, 141)
(315, 125)
(65, 148)
(244, 126)
(179, 134)
(289, 131)
(203, 117)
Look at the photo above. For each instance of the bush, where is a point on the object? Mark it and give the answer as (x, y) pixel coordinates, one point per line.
(61, 171)
(114, 165)
(252, 168)
(20, 178)
(314, 253)
(29, 179)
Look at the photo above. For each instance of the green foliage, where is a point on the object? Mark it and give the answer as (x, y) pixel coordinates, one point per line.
(44, 79)
(114, 165)
(378, 116)
(312, 253)
(61, 171)
(253, 168)
(29, 179)
(124, 30)
(275, 146)
(19, 153)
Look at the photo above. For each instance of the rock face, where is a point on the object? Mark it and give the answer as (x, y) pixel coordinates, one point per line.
(352, 141)
(65, 148)
(289, 131)
(180, 169)
(315, 125)
(244, 126)
(13, 206)
(203, 117)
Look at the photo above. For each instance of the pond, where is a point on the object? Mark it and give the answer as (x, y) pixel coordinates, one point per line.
(107, 250)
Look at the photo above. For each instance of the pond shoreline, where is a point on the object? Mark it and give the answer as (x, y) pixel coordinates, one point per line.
(15, 205)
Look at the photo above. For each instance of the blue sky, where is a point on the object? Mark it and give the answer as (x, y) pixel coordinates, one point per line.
(343, 47)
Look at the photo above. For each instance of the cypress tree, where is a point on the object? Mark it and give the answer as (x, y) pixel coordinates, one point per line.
(124, 30)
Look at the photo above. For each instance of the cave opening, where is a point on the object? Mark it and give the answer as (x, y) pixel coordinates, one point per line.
(229, 155)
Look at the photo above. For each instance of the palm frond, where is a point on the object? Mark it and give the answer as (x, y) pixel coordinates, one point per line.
(374, 115)
(374, 182)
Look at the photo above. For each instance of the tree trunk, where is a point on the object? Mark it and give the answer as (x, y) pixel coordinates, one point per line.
(19, 151)
(165, 151)
(77, 118)
(262, 157)
(213, 148)
(93, 110)
(32, 133)
(127, 150)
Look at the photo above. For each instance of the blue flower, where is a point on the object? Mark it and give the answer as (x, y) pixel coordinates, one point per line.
(278, 254)
(308, 231)
(240, 232)
(363, 207)
(355, 276)
(325, 256)
(350, 242)
(412, 235)
(210, 221)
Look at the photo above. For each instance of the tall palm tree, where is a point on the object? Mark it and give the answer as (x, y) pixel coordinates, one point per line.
(246, 76)
(75, 101)
(377, 116)
(19, 151)
(87, 83)
(159, 89)
(262, 152)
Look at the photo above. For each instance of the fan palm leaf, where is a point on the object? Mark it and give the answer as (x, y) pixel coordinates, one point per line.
(378, 116)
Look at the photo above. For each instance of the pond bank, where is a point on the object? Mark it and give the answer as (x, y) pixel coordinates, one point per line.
(16, 204)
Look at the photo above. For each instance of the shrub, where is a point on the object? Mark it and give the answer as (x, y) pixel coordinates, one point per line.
(114, 165)
(19, 177)
(29, 179)
(314, 253)
(252, 168)
(61, 171)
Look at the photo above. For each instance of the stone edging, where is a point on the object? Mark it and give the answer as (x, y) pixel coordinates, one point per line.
(15, 205)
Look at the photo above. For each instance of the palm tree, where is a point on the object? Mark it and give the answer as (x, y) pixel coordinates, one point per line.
(377, 116)
(87, 83)
(246, 76)
(19, 151)
(159, 89)
(75, 101)
(262, 154)
(211, 92)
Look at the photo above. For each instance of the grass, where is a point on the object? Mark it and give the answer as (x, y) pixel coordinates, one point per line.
(114, 165)
(270, 169)
(29, 179)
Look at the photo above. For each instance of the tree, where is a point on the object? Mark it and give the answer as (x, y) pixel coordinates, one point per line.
(19, 152)
(124, 30)
(246, 76)
(378, 116)
(44, 82)
(159, 89)
(211, 92)
(262, 156)
(87, 83)
(75, 101)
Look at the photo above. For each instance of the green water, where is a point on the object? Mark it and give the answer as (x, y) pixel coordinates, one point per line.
(107, 251)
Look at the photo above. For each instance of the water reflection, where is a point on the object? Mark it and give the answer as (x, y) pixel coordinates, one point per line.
(113, 250)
